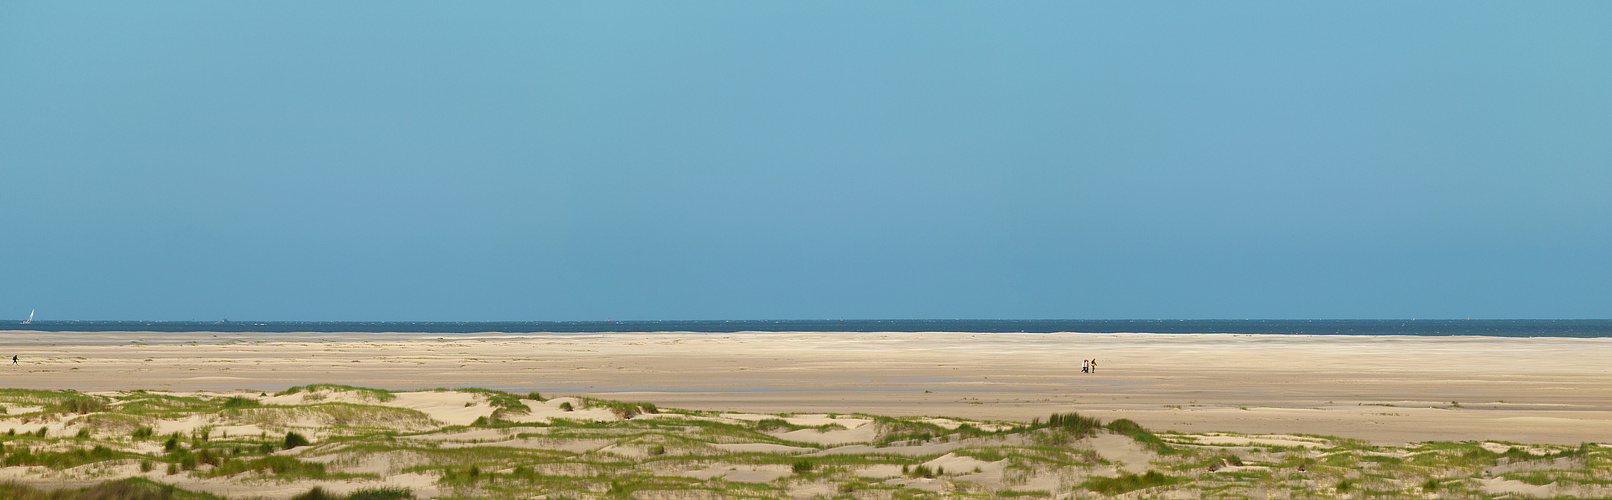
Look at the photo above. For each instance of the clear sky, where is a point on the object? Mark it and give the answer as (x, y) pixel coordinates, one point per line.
(796, 160)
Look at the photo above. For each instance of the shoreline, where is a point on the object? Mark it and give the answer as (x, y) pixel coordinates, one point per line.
(1388, 389)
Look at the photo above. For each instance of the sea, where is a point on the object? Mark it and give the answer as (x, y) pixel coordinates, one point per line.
(1421, 327)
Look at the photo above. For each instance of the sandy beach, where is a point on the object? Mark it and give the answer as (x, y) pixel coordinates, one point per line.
(1387, 389)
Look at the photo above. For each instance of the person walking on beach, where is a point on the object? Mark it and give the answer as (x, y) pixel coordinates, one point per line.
(13, 359)
(1094, 365)
(1085, 366)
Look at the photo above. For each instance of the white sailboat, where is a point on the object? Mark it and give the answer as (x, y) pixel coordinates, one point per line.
(30, 317)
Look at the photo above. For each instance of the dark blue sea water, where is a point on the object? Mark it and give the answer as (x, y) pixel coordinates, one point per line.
(1495, 328)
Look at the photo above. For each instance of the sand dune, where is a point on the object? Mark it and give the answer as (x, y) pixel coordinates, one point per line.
(240, 445)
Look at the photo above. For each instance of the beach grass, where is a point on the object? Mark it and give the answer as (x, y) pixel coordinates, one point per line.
(1127, 482)
(123, 489)
(638, 450)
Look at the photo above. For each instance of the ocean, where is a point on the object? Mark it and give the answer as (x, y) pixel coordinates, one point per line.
(1425, 327)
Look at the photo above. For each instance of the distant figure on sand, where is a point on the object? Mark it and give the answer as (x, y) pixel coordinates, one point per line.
(13, 359)
(1085, 366)
(1094, 365)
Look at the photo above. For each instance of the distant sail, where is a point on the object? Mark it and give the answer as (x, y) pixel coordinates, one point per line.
(30, 317)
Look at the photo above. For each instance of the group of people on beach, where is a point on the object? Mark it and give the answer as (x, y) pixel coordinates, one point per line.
(1088, 365)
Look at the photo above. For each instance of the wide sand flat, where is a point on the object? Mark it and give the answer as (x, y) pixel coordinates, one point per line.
(1388, 389)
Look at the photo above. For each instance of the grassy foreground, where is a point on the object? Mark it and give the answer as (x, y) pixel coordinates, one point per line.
(338, 442)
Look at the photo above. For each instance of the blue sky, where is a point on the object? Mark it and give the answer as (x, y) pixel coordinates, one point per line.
(761, 160)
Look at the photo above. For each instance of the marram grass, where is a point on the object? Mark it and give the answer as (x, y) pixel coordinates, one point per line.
(644, 451)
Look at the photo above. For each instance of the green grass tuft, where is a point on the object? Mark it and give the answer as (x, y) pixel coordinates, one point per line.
(505, 402)
(1128, 482)
(316, 493)
(1074, 424)
(137, 488)
(293, 440)
(382, 494)
(624, 410)
(241, 402)
(1141, 435)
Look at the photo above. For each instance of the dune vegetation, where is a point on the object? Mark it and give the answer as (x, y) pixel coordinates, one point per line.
(339, 442)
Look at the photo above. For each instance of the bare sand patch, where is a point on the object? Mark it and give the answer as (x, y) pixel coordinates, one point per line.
(1255, 440)
(450, 407)
(1124, 452)
(956, 463)
(861, 434)
(760, 448)
(824, 419)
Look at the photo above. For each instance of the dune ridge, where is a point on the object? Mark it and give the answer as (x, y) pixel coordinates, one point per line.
(336, 441)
